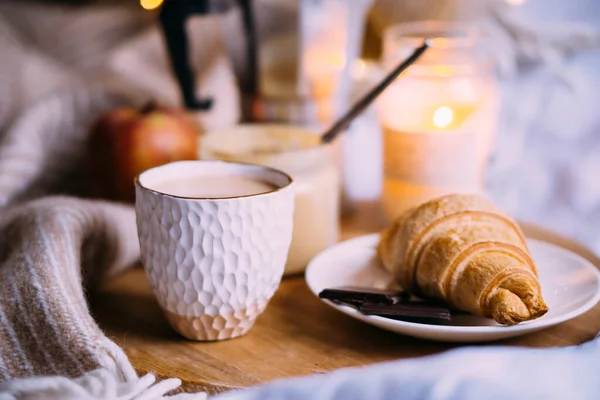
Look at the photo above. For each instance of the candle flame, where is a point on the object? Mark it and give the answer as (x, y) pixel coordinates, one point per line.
(442, 70)
(443, 116)
(150, 4)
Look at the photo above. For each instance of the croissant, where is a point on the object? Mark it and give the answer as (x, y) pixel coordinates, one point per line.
(464, 250)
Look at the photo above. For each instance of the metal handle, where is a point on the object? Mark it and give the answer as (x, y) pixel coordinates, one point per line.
(173, 16)
(250, 83)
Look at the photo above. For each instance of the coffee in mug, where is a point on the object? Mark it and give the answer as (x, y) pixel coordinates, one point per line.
(215, 187)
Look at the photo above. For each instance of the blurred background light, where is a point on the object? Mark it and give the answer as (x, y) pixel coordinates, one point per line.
(150, 4)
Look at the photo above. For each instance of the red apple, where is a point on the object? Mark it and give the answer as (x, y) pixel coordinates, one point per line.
(125, 142)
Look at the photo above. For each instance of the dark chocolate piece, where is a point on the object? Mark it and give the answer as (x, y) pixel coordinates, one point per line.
(358, 295)
(403, 311)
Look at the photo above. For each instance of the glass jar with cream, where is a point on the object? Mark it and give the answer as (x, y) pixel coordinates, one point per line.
(312, 166)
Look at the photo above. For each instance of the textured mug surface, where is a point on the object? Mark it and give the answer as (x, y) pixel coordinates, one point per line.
(213, 264)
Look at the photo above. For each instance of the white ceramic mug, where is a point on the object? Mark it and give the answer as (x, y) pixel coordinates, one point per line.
(214, 263)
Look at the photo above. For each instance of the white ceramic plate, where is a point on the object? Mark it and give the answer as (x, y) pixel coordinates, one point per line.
(570, 286)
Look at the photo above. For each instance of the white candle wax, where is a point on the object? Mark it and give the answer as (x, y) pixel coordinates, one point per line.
(437, 134)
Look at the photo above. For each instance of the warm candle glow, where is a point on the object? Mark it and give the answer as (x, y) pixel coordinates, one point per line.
(515, 2)
(442, 70)
(443, 116)
(359, 69)
(150, 4)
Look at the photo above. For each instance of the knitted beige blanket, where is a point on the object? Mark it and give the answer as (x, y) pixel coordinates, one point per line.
(52, 250)
(60, 68)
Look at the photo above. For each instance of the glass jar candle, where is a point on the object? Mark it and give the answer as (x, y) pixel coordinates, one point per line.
(312, 166)
(439, 118)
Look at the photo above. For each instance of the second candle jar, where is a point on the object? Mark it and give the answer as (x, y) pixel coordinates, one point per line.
(440, 117)
(312, 166)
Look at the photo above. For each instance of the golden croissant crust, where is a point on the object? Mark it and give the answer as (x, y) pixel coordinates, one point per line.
(465, 250)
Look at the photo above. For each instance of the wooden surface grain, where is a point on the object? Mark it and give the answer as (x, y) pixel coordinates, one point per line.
(297, 334)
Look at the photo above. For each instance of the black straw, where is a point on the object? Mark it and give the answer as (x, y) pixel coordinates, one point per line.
(361, 105)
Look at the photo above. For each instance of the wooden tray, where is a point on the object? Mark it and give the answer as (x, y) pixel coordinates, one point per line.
(297, 335)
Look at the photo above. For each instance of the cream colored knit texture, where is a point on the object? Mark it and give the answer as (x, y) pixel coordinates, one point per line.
(54, 83)
(48, 249)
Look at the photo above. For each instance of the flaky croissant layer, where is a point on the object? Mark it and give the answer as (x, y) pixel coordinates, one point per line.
(466, 251)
